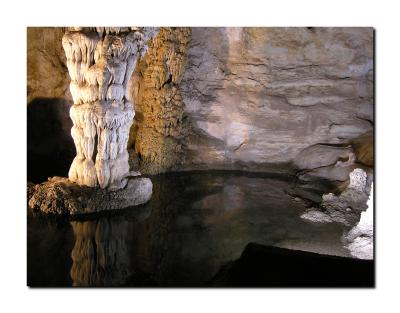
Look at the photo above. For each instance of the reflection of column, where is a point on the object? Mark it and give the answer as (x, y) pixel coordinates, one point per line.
(100, 255)
(100, 63)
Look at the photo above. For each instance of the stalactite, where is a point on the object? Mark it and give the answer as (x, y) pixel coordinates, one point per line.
(100, 63)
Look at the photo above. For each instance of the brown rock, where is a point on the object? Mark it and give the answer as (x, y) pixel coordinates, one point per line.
(364, 148)
(60, 196)
(158, 133)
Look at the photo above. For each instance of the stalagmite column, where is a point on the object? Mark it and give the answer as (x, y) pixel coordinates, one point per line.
(100, 63)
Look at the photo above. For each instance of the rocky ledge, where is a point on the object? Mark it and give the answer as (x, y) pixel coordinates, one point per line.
(352, 208)
(58, 195)
(347, 207)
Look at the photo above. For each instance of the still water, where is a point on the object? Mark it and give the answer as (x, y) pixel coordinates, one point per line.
(195, 223)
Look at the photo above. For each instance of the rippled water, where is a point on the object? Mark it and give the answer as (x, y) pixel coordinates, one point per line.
(195, 223)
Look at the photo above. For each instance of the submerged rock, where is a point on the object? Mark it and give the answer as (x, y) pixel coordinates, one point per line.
(60, 196)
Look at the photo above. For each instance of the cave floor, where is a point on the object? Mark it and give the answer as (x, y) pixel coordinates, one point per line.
(194, 224)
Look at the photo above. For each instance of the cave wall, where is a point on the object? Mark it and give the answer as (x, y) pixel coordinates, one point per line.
(50, 148)
(158, 136)
(224, 98)
(294, 97)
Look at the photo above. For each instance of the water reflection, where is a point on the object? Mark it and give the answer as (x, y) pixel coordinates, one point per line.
(100, 254)
(194, 224)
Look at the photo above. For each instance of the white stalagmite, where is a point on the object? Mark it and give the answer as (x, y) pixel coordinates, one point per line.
(100, 62)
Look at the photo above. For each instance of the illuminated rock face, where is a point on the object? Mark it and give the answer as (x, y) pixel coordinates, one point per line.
(100, 63)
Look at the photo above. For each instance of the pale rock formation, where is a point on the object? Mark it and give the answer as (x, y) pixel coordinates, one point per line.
(100, 63)
(345, 208)
(50, 148)
(358, 180)
(360, 239)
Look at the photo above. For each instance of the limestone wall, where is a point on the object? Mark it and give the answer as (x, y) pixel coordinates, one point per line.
(262, 96)
(259, 99)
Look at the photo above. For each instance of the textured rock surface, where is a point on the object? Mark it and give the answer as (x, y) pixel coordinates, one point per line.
(59, 196)
(50, 148)
(325, 161)
(364, 148)
(358, 180)
(239, 98)
(316, 216)
(100, 63)
(258, 96)
(46, 63)
(347, 207)
(157, 138)
(360, 239)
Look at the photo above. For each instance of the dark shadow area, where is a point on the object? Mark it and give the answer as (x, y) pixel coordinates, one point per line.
(55, 241)
(50, 148)
(266, 266)
(195, 224)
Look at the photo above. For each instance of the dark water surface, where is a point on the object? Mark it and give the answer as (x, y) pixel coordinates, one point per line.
(195, 223)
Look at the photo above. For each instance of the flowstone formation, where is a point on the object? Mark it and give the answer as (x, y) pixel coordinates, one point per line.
(158, 138)
(100, 63)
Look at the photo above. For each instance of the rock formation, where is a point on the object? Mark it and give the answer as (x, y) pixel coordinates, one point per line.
(360, 239)
(159, 138)
(347, 207)
(260, 98)
(352, 208)
(100, 63)
(257, 99)
(59, 196)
